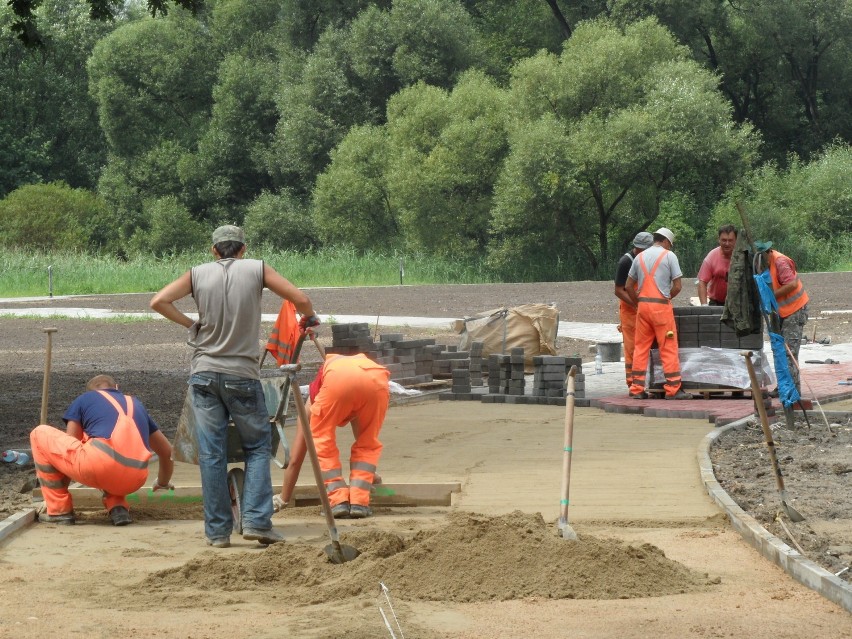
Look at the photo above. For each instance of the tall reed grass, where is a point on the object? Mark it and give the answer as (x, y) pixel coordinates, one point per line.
(29, 273)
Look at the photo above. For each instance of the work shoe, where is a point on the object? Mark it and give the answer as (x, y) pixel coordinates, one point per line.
(120, 516)
(357, 511)
(341, 510)
(270, 536)
(65, 519)
(642, 395)
(219, 542)
(679, 395)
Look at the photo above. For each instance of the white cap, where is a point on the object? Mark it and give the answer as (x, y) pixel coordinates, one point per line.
(666, 233)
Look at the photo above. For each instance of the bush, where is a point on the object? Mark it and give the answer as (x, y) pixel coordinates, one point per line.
(53, 217)
(281, 222)
(171, 229)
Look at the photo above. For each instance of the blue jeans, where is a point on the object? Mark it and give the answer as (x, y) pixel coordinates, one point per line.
(215, 397)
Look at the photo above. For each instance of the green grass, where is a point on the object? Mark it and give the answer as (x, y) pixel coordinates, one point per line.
(29, 274)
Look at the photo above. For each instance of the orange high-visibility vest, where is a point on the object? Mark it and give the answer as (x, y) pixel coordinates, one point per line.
(795, 299)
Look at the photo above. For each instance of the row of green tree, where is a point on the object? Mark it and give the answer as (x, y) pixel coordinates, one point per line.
(538, 136)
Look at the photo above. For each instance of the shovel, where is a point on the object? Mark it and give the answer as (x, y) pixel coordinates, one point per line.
(563, 527)
(338, 553)
(756, 393)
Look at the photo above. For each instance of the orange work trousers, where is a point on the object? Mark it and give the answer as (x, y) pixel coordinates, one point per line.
(60, 458)
(354, 389)
(627, 316)
(656, 320)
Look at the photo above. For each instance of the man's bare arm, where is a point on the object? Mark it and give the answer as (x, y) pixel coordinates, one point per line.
(702, 292)
(163, 301)
(677, 286)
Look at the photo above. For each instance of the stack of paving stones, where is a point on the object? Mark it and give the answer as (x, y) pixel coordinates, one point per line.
(409, 361)
(699, 326)
(550, 376)
(447, 359)
(476, 363)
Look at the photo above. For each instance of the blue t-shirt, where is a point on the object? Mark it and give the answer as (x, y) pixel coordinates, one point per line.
(98, 416)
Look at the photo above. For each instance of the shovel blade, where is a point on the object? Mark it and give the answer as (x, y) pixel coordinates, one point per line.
(792, 513)
(341, 553)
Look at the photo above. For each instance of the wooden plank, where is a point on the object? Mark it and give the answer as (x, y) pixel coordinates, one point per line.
(420, 494)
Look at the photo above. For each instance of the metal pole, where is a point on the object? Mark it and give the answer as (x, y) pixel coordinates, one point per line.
(401, 271)
(50, 280)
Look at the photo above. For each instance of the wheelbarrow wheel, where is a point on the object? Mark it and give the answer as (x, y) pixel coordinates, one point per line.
(236, 479)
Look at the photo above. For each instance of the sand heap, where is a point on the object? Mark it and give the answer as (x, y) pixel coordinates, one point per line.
(471, 558)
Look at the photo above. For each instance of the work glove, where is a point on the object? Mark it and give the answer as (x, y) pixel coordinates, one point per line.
(308, 321)
(157, 486)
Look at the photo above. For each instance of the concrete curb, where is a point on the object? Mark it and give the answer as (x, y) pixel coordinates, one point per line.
(16, 522)
(800, 568)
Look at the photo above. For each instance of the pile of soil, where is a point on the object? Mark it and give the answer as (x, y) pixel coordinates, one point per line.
(471, 558)
(816, 466)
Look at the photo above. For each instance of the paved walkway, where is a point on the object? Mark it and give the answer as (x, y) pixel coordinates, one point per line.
(820, 383)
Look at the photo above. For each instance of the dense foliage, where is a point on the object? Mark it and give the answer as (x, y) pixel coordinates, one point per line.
(534, 136)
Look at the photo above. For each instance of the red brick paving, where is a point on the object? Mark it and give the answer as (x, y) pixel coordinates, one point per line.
(818, 382)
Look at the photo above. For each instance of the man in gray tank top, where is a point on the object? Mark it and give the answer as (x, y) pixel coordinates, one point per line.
(225, 378)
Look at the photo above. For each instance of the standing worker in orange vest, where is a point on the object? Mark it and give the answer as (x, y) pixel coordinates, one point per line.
(657, 276)
(626, 305)
(107, 445)
(349, 389)
(792, 302)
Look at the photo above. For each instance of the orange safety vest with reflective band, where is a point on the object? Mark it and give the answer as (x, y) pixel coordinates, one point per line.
(795, 299)
(282, 340)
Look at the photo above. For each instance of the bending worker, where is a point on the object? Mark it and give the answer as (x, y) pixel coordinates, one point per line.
(626, 305)
(349, 389)
(713, 274)
(107, 445)
(657, 276)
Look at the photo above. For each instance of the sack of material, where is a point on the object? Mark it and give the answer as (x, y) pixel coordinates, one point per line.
(529, 326)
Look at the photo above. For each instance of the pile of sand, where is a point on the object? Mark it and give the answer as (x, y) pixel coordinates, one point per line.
(470, 558)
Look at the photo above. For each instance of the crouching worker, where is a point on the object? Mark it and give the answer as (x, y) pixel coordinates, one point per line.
(349, 389)
(107, 444)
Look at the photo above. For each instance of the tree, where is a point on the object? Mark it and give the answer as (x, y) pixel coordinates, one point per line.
(352, 201)
(445, 149)
(49, 129)
(635, 119)
(784, 65)
(152, 81)
(27, 30)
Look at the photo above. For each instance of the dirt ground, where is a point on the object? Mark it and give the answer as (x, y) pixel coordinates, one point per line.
(505, 575)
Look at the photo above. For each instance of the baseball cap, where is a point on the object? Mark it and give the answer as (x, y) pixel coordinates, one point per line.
(666, 233)
(643, 240)
(229, 233)
(762, 247)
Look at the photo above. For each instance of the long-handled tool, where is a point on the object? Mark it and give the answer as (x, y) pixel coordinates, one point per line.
(337, 552)
(45, 387)
(563, 527)
(756, 393)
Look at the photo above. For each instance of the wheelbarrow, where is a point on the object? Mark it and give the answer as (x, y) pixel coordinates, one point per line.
(276, 392)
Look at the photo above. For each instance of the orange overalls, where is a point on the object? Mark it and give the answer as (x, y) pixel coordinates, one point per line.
(354, 388)
(627, 316)
(118, 465)
(655, 319)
